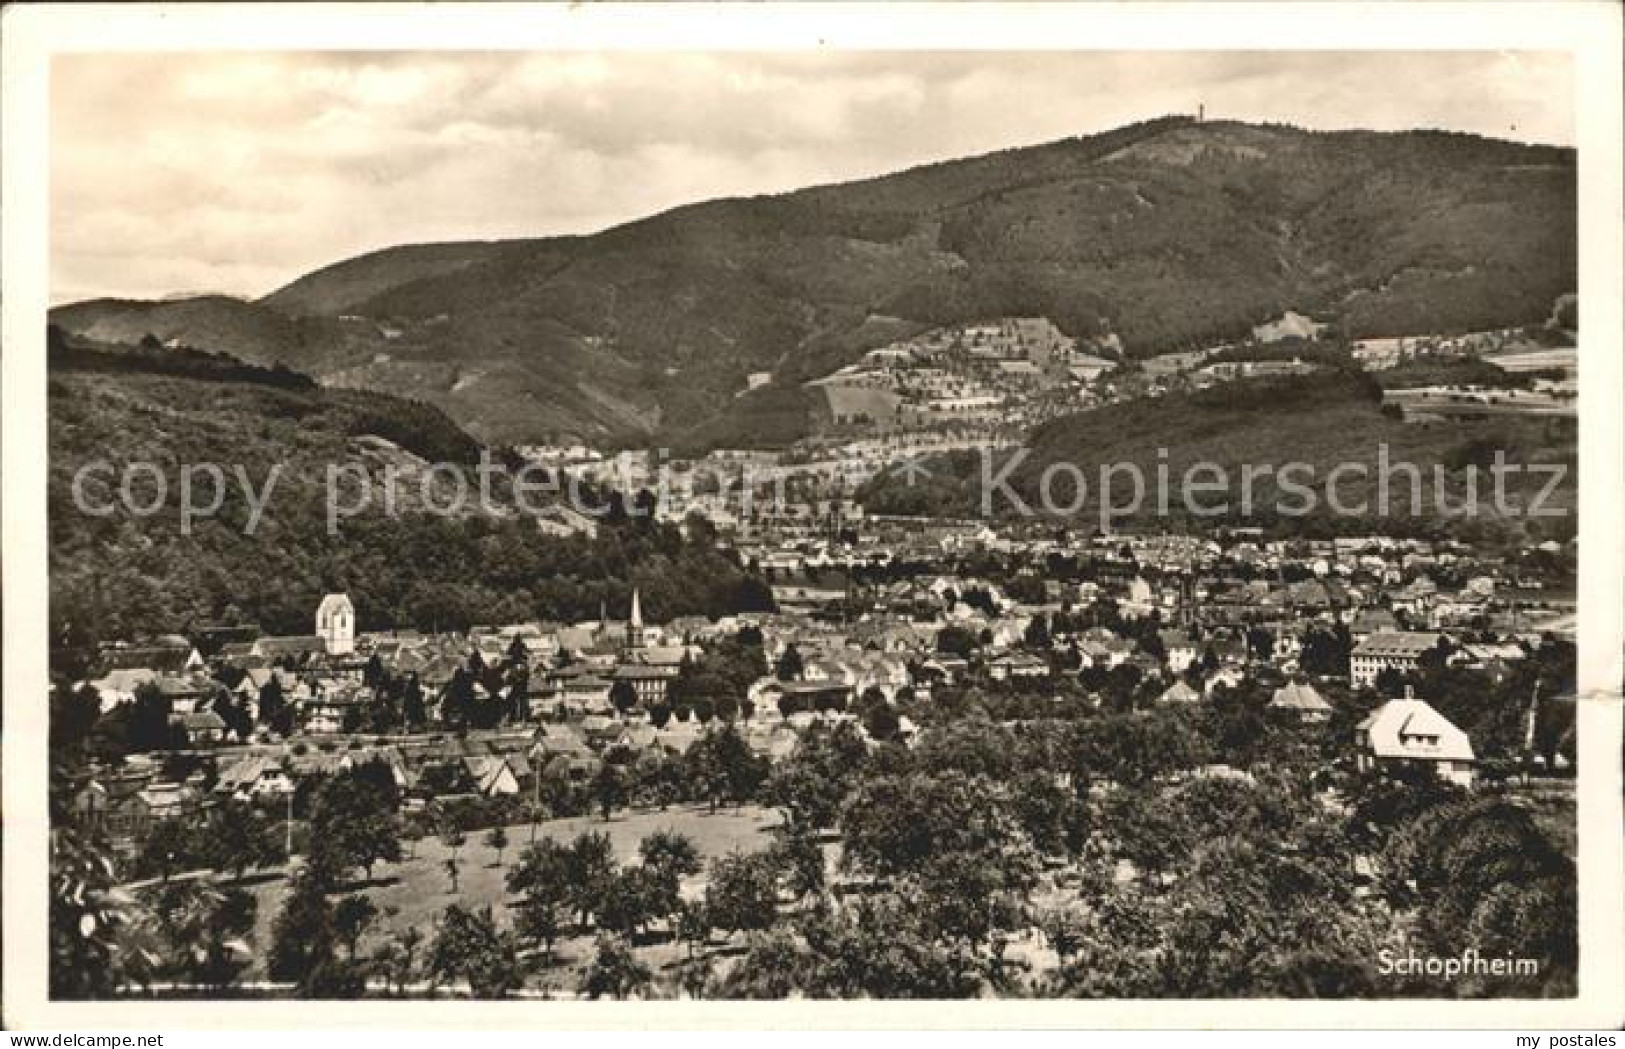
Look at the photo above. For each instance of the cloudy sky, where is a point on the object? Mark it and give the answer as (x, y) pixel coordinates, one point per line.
(237, 173)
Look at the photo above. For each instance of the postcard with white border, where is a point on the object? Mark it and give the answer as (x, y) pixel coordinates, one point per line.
(827, 515)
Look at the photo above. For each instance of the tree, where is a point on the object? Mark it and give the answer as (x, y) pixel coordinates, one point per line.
(1053, 817)
(468, 946)
(1389, 682)
(413, 711)
(971, 900)
(623, 695)
(1036, 635)
(893, 825)
(615, 970)
(414, 828)
(304, 938)
(693, 926)
(451, 832)
(169, 847)
(657, 778)
(811, 784)
(373, 674)
(453, 838)
(774, 967)
(723, 766)
(669, 852)
(238, 836)
(203, 931)
(94, 928)
(396, 958)
(452, 871)
(542, 881)
(1064, 929)
(591, 866)
(351, 917)
(275, 713)
(668, 857)
(95, 946)
(1250, 917)
(630, 900)
(743, 892)
(457, 700)
(1147, 831)
(1382, 803)
(1134, 748)
(878, 949)
(497, 839)
(790, 665)
(800, 859)
(1326, 652)
(956, 641)
(353, 822)
(1484, 866)
(608, 789)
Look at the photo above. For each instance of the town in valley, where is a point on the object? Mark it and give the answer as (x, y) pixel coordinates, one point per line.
(1094, 723)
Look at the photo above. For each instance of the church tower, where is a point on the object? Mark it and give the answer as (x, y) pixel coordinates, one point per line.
(335, 624)
(634, 623)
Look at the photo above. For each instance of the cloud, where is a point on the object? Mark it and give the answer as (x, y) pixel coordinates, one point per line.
(238, 172)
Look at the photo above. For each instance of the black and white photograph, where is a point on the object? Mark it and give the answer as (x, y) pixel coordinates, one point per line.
(821, 524)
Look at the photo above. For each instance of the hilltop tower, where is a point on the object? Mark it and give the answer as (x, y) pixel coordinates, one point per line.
(335, 624)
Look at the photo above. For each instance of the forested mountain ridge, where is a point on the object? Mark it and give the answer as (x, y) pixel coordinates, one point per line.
(1333, 422)
(1169, 233)
(128, 573)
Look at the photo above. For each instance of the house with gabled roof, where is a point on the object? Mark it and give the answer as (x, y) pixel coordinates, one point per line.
(1300, 699)
(493, 775)
(213, 640)
(295, 646)
(1017, 665)
(1371, 621)
(170, 655)
(1409, 732)
(202, 729)
(114, 804)
(555, 740)
(1179, 692)
(119, 686)
(255, 776)
(185, 692)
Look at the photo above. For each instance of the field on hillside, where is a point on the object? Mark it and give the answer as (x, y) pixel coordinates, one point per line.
(850, 402)
(1537, 360)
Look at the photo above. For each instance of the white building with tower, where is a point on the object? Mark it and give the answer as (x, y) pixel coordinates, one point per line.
(335, 624)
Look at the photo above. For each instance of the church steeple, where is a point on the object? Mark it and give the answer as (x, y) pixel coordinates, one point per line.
(634, 623)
